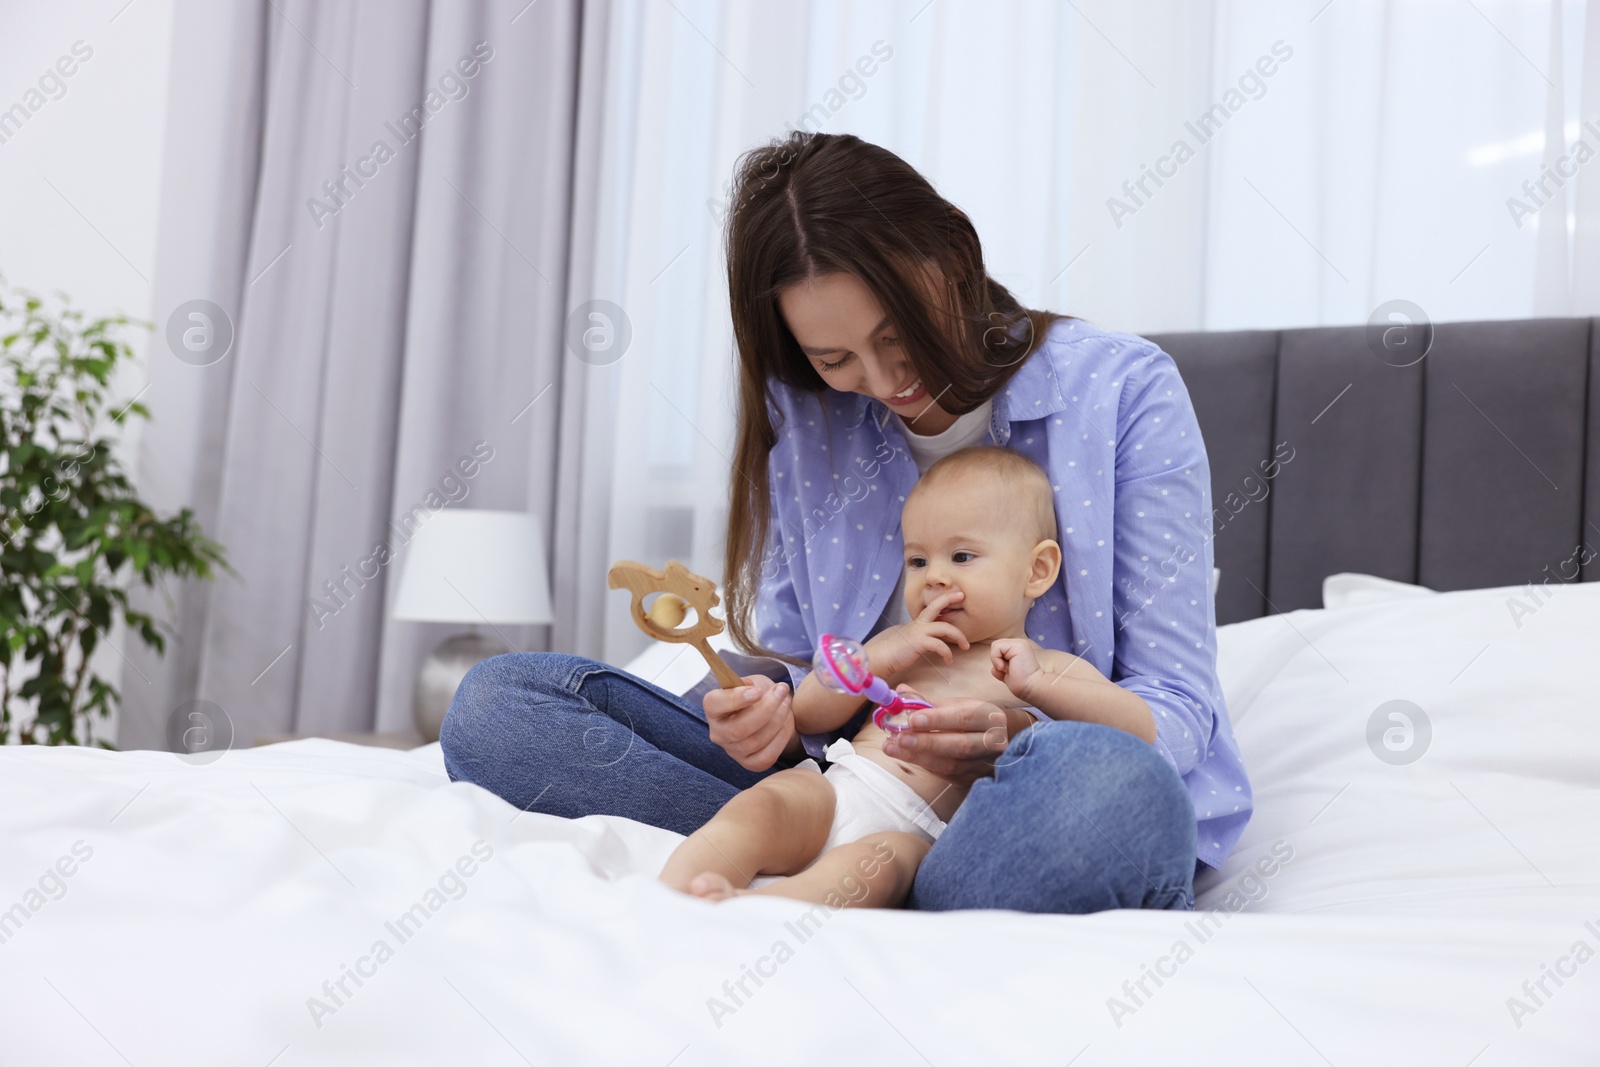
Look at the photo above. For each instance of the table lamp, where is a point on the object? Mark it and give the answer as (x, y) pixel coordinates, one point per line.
(483, 568)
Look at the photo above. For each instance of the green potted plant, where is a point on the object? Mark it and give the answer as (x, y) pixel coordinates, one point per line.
(74, 535)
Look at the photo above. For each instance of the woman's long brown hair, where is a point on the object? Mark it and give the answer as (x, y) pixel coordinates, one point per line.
(814, 204)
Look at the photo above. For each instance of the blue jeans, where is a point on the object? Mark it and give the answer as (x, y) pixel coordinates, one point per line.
(1078, 817)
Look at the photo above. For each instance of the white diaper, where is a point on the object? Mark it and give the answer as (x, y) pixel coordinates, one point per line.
(869, 799)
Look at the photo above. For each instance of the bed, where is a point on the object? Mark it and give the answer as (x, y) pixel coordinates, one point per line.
(1377, 910)
(1409, 624)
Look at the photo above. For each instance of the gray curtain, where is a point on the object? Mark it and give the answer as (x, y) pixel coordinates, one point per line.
(396, 310)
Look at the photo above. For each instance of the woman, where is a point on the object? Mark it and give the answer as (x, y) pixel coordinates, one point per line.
(871, 343)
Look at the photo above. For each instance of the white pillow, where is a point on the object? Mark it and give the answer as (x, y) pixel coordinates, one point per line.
(1500, 739)
(1347, 590)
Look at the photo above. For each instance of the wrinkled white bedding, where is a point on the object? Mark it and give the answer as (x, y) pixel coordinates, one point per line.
(1403, 908)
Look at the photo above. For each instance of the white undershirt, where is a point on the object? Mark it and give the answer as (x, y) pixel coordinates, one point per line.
(967, 430)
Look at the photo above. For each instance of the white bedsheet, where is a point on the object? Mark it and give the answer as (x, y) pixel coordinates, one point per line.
(217, 900)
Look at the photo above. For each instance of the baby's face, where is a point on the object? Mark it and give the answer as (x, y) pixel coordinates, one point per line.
(963, 533)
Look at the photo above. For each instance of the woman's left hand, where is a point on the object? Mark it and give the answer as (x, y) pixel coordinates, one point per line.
(959, 739)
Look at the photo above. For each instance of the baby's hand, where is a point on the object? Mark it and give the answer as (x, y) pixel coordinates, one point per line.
(899, 647)
(1015, 661)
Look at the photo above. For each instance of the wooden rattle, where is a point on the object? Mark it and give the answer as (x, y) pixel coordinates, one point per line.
(680, 589)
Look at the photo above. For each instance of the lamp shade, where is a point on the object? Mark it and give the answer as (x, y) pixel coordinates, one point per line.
(475, 566)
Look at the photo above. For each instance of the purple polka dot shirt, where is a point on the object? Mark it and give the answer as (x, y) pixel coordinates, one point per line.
(1108, 418)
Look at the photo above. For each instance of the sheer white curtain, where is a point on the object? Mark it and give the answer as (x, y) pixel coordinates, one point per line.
(1388, 159)
(1339, 155)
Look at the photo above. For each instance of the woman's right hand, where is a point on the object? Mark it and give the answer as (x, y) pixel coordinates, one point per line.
(755, 724)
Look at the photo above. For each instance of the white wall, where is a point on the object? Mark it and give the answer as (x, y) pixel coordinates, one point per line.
(79, 178)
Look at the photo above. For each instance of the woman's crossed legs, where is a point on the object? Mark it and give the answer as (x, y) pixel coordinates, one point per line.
(1077, 817)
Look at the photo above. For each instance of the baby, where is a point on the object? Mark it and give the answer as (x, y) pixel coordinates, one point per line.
(980, 547)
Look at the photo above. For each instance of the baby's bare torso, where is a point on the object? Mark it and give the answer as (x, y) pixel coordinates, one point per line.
(968, 677)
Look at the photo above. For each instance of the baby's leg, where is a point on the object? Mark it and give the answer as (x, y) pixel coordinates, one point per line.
(874, 872)
(777, 826)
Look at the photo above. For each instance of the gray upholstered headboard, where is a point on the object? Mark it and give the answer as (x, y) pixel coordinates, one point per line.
(1477, 466)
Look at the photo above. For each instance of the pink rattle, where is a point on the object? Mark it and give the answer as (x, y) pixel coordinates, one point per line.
(841, 665)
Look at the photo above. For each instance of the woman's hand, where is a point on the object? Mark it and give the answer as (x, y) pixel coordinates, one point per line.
(754, 725)
(899, 647)
(959, 739)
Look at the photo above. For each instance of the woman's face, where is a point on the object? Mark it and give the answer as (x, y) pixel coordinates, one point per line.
(843, 330)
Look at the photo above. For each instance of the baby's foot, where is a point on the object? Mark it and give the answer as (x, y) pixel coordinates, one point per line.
(713, 886)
